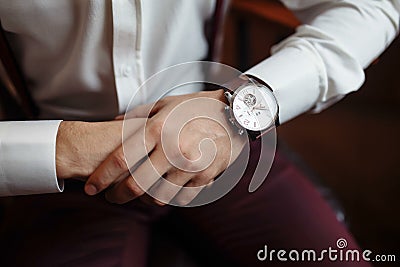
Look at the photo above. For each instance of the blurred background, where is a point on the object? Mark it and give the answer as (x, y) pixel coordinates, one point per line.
(353, 147)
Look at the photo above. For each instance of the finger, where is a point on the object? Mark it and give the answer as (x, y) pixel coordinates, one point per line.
(144, 177)
(118, 163)
(131, 126)
(191, 190)
(166, 188)
(187, 194)
(176, 183)
(110, 171)
(148, 200)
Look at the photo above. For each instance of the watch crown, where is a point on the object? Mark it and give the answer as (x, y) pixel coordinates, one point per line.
(240, 131)
(227, 108)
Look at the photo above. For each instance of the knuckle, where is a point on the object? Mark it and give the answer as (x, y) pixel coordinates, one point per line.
(204, 178)
(155, 127)
(98, 180)
(189, 165)
(186, 149)
(118, 161)
(174, 154)
(195, 165)
(187, 153)
(101, 183)
(201, 179)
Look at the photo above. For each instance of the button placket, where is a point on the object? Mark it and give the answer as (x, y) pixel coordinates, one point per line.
(124, 26)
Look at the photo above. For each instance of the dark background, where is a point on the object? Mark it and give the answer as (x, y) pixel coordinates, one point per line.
(352, 147)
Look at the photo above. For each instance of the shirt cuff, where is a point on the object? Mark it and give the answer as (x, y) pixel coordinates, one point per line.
(27, 158)
(294, 76)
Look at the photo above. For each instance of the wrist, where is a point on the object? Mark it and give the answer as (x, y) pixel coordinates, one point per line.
(218, 94)
(82, 146)
(68, 164)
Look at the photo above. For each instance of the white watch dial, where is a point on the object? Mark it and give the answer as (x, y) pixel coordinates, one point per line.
(254, 107)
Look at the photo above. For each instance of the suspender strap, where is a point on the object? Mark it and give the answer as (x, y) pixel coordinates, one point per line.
(21, 94)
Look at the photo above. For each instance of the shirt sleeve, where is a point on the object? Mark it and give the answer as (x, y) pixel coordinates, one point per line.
(325, 58)
(27, 158)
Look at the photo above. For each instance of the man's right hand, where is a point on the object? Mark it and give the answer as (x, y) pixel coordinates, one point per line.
(82, 146)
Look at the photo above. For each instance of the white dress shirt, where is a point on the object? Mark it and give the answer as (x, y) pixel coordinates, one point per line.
(84, 60)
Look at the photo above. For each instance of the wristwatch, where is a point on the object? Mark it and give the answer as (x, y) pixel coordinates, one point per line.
(252, 106)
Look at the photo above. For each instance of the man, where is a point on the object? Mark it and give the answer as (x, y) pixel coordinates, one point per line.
(84, 60)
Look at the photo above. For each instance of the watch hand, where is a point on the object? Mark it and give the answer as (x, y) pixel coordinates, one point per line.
(259, 107)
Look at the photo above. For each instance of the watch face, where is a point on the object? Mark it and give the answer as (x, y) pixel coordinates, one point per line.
(254, 107)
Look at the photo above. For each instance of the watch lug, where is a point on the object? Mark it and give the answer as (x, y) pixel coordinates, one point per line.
(228, 96)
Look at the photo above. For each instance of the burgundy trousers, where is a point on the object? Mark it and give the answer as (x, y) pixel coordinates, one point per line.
(72, 229)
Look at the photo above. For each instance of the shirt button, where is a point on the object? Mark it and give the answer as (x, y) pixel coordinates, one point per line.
(126, 71)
